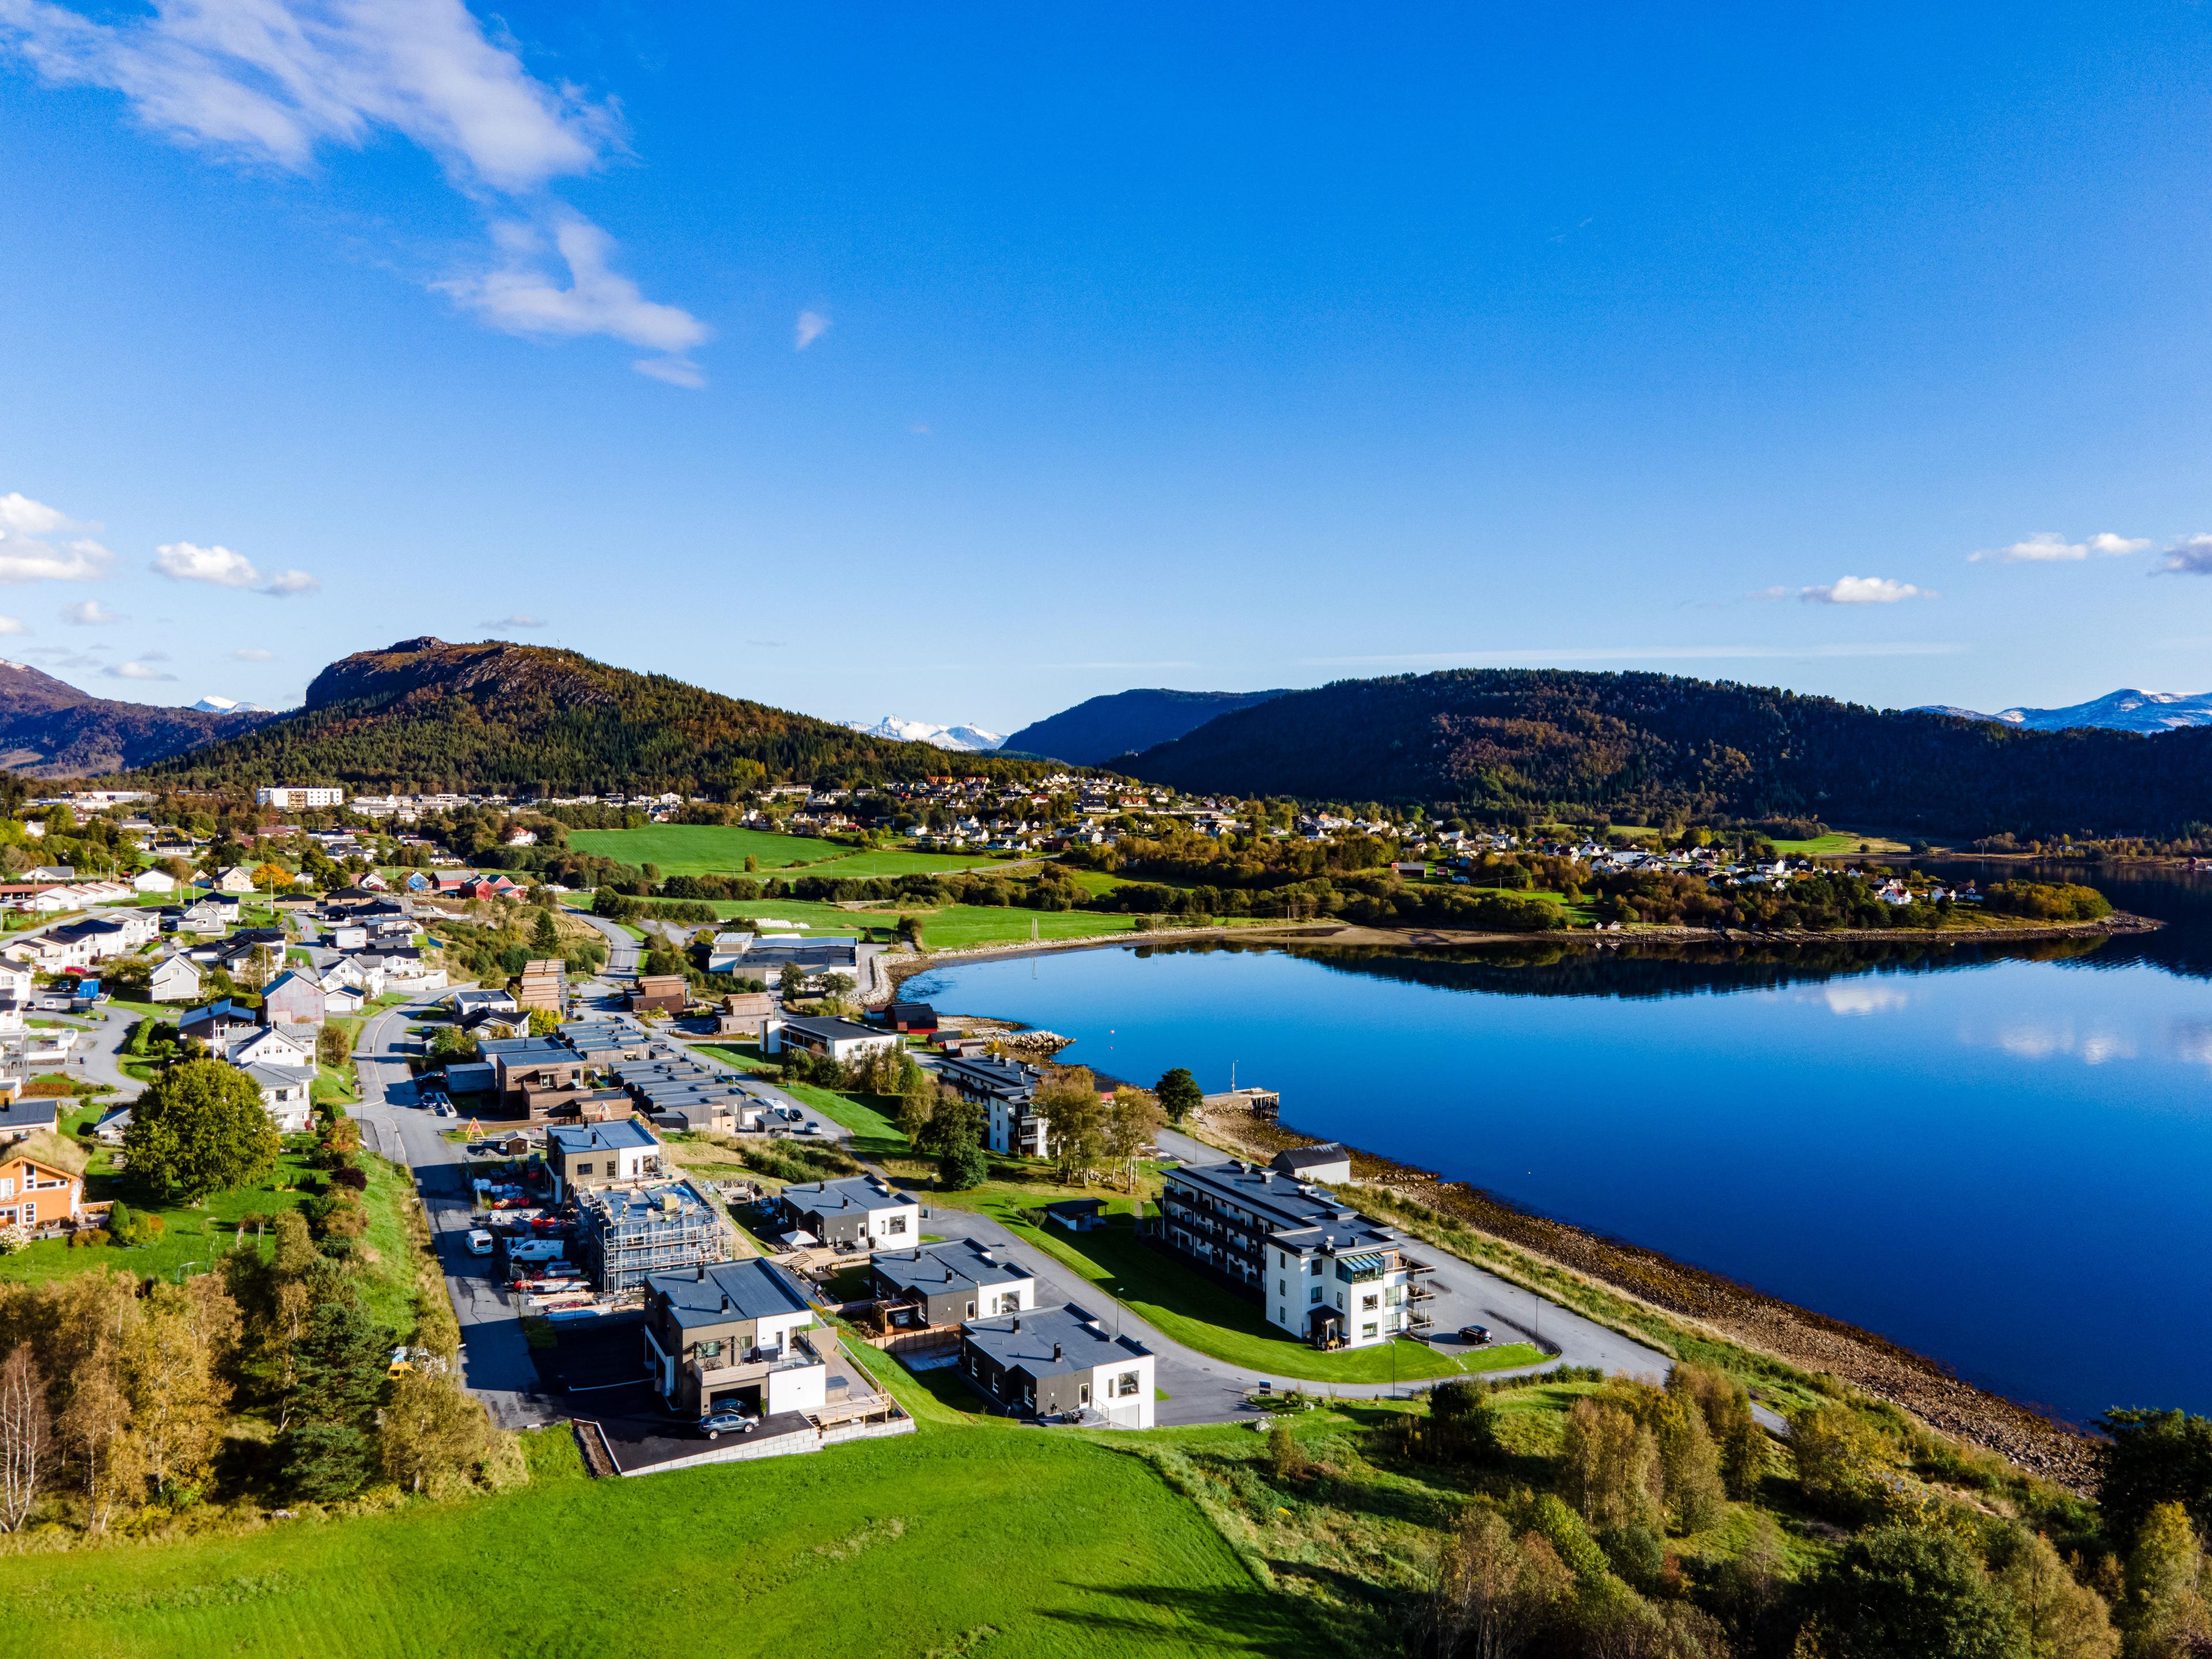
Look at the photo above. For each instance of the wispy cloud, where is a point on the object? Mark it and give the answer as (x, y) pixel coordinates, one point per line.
(1507, 657)
(13, 625)
(136, 670)
(519, 619)
(254, 654)
(185, 563)
(1863, 590)
(28, 552)
(2191, 555)
(811, 326)
(88, 613)
(272, 82)
(2049, 547)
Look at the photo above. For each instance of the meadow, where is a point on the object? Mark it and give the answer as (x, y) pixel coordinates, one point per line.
(951, 927)
(934, 1544)
(710, 849)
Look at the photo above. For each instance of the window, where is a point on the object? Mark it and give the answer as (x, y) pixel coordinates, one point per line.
(896, 1225)
(1282, 1316)
(583, 1169)
(1282, 1260)
(1367, 1331)
(710, 1350)
(1126, 1384)
(1369, 1302)
(971, 1310)
(1282, 1287)
(1315, 1296)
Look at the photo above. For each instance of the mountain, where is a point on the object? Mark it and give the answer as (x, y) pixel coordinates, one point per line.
(50, 729)
(497, 717)
(227, 705)
(2117, 711)
(1126, 723)
(1650, 745)
(963, 739)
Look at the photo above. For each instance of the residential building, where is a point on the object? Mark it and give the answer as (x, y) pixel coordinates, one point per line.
(274, 1045)
(218, 1023)
(1006, 1088)
(154, 881)
(911, 1017)
(861, 1211)
(1320, 1271)
(947, 1283)
(585, 1155)
(630, 1233)
(544, 985)
(176, 980)
(669, 993)
(517, 1060)
(1078, 1215)
(35, 1192)
(236, 879)
(298, 797)
(484, 1001)
(841, 1040)
(1059, 1362)
(21, 1117)
(285, 1094)
(293, 998)
(730, 1333)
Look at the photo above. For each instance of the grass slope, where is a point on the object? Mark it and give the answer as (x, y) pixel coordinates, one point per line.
(709, 849)
(954, 927)
(943, 1543)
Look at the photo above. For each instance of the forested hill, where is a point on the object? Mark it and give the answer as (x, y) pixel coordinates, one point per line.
(1095, 731)
(50, 729)
(1653, 744)
(425, 716)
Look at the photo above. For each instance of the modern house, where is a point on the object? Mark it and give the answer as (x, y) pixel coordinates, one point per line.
(861, 1211)
(730, 1333)
(951, 1282)
(584, 1155)
(34, 1192)
(544, 985)
(1318, 1270)
(467, 1004)
(841, 1040)
(1059, 1362)
(1007, 1089)
(666, 993)
(1328, 1163)
(19, 1118)
(218, 1023)
(518, 1061)
(630, 1233)
(1078, 1215)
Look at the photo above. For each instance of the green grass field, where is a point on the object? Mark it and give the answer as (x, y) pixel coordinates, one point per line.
(1836, 842)
(710, 849)
(1045, 1545)
(874, 1135)
(951, 929)
(898, 862)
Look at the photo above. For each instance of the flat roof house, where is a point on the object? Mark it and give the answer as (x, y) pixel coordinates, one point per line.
(839, 1039)
(583, 1156)
(953, 1281)
(517, 1060)
(1319, 1270)
(668, 993)
(630, 1233)
(861, 1211)
(1007, 1089)
(730, 1332)
(1059, 1362)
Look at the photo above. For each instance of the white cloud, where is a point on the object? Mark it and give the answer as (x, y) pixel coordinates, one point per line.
(270, 82)
(523, 297)
(136, 670)
(88, 613)
(1863, 590)
(2191, 555)
(811, 326)
(254, 654)
(25, 555)
(2049, 547)
(13, 625)
(519, 619)
(185, 563)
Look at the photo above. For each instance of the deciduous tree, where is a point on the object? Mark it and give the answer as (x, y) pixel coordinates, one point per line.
(1074, 1119)
(27, 1435)
(432, 1435)
(201, 1129)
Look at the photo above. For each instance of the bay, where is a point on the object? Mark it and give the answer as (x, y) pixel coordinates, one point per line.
(1999, 1158)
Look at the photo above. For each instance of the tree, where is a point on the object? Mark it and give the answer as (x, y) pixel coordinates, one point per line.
(543, 1022)
(1178, 1093)
(1132, 1120)
(271, 878)
(953, 1119)
(1074, 1120)
(963, 1167)
(171, 1363)
(200, 1129)
(27, 1435)
(450, 1043)
(2154, 1457)
(2166, 1610)
(339, 1361)
(1727, 1408)
(2058, 1618)
(1837, 1453)
(333, 1045)
(1495, 1594)
(1691, 1465)
(1462, 1421)
(431, 1434)
(547, 937)
(916, 1106)
(1897, 1591)
(1610, 1467)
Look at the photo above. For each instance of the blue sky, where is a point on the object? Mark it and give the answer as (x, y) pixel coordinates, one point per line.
(964, 363)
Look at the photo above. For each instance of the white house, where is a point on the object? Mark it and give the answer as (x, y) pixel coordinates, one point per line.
(268, 1046)
(236, 879)
(842, 1040)
(361, 976)
(285, 1094)
(342, 999)
(1059, 1362)
(154, 881)
(177, 980)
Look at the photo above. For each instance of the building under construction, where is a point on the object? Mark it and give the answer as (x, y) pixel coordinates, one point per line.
(631, 1231)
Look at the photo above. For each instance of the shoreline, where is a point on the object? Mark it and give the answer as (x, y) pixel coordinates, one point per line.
(898, 969)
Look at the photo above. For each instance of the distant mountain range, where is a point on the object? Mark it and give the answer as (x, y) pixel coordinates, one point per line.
(426, 715)
(1126, 723)
(227, 705)
(50, 729)
(1649, 746)
(2117, 711)
(966, 739)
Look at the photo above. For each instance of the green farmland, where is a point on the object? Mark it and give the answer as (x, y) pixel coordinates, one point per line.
(709, 849)
(949, 928)
(954, 1541)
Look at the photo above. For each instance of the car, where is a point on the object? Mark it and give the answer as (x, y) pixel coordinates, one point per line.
(728, 1420)
(432, 1101)
(479, 1242)
(1475, 1333)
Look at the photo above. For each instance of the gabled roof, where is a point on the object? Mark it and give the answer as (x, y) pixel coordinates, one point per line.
(958, 1264)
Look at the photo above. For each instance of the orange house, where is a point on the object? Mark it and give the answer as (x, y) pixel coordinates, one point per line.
(37, 1194)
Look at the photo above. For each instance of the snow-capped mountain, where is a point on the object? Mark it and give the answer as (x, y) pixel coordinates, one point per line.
(228, 706)
(965, 739)
(2117, 711)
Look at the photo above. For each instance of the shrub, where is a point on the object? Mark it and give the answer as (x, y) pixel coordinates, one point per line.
(349, 1176)
(2046, 900)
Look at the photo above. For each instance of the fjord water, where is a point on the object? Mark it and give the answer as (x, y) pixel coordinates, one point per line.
(2003, 1159)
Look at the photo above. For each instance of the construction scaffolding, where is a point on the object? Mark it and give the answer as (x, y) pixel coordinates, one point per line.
(629, 1232)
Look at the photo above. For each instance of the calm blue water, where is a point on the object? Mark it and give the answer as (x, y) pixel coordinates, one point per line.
(2002, 1161)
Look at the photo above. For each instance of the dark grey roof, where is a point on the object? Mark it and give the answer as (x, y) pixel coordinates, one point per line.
(1024, 1342)
(1011, 1080)
(934, 1269)
(19, 1116)
(620, 1135)
(1085, 1206)
(1297, 1219)
(512, 1049)
(832, 1029)
(1307, 1158)
(855, 1195)
(755, 1288)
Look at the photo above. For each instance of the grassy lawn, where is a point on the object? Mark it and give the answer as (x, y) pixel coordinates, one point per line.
(1212, 1319)
(703, 849)
(874, 1135)
(1837, 841)
(1052, 1544)
(896, 861)
(950, 928)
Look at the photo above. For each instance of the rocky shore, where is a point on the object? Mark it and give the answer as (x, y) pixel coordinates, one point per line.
(1801, 1338)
